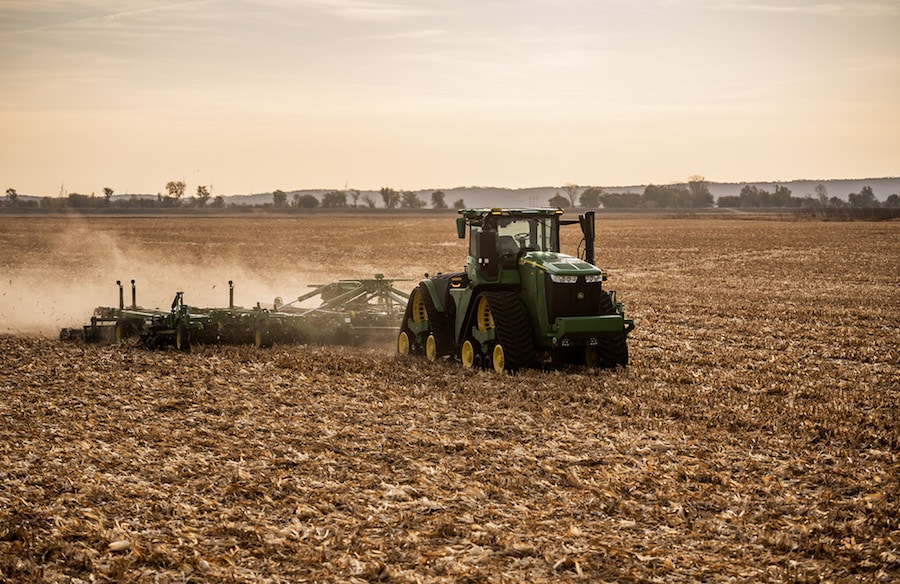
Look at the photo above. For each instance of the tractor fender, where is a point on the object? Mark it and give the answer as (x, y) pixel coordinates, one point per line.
(433, 292)
(439, 289)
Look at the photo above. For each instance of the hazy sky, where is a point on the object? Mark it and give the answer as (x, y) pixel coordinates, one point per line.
(252, 96)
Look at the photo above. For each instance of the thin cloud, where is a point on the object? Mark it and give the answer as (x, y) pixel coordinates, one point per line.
(364, 10)
(816, 8)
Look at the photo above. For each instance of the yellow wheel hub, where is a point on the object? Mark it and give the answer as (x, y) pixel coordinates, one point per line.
(403, 344)
(467, 354)
(499, 359)
(484, 318)
(431, 348)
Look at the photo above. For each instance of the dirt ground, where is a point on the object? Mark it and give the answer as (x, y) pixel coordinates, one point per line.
(755, 435)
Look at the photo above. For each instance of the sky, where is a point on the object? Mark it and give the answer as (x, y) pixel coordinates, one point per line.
(251, 96)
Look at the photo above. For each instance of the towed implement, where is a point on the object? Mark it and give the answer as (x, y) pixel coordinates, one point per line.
(347, 312)
(520, 302)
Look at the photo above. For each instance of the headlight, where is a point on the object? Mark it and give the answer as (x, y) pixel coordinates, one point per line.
(594, 278)
(563, 279)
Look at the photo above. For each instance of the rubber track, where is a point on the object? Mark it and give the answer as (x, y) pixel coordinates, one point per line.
(441, 324)
(513, 329)
(614, 350)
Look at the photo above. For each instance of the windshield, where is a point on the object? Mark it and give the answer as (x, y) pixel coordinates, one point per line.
(514, 234)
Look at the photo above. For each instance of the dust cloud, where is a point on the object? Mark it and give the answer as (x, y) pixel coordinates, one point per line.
(58, 282)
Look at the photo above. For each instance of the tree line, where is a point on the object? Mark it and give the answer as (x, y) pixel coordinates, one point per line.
(692, 194)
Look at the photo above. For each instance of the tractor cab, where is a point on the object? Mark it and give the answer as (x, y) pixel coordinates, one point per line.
(500, 238)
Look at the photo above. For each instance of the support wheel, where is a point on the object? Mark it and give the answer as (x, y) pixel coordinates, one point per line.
(431, 352)
(467, 354)
(403, 343)
(498, 358)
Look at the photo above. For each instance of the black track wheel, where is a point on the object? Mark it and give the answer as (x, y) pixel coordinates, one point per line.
(515, 345)
(610, 351)
(407, 343)
(441, 340)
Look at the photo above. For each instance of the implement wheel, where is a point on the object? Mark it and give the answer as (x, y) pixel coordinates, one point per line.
(431, 348)
(262, 339)
(121, 330)
(182, 339)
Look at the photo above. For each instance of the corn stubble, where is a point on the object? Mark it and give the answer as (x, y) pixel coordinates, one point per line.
(755, 437)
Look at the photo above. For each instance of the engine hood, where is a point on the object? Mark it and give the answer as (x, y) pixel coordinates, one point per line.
(559, 263)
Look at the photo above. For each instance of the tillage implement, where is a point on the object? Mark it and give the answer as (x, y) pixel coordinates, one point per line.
(347, 312)
(520, 302)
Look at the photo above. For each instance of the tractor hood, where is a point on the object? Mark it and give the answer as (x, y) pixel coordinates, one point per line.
(559, 264)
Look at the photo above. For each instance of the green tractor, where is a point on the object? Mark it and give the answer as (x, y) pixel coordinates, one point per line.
(520, 303)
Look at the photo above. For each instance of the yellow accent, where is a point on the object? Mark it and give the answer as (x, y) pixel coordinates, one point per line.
(431, 348)
(403, 344)
(418, 307)
(523, 262)
(467, 354)
(499, 359)
(119, 331)
(484, 318)
(258, 339)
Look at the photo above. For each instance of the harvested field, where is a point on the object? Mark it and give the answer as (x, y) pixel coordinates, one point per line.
(754, 437)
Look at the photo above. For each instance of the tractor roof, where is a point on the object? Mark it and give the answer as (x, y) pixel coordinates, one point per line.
(518, 212)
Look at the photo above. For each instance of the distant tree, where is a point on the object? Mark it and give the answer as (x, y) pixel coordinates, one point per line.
(781, 197)
(437, 200)
(410, 200)
(175, 188)
(306, 201)
(107, 194)
(459, 204)
(835, 202)
(892, 202)
(203, 195)
(590, 198)
(368, 201)
(13, 196)
(279, 198)
(218, 202)
(621, 200)
(390, 197)
(354, 196)
(700, 195)
(333, 199)
(865, 199)
(558, 200)
(571, 191)
(728, 201)
(673, 195)
(753, 196)
(822, 194)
